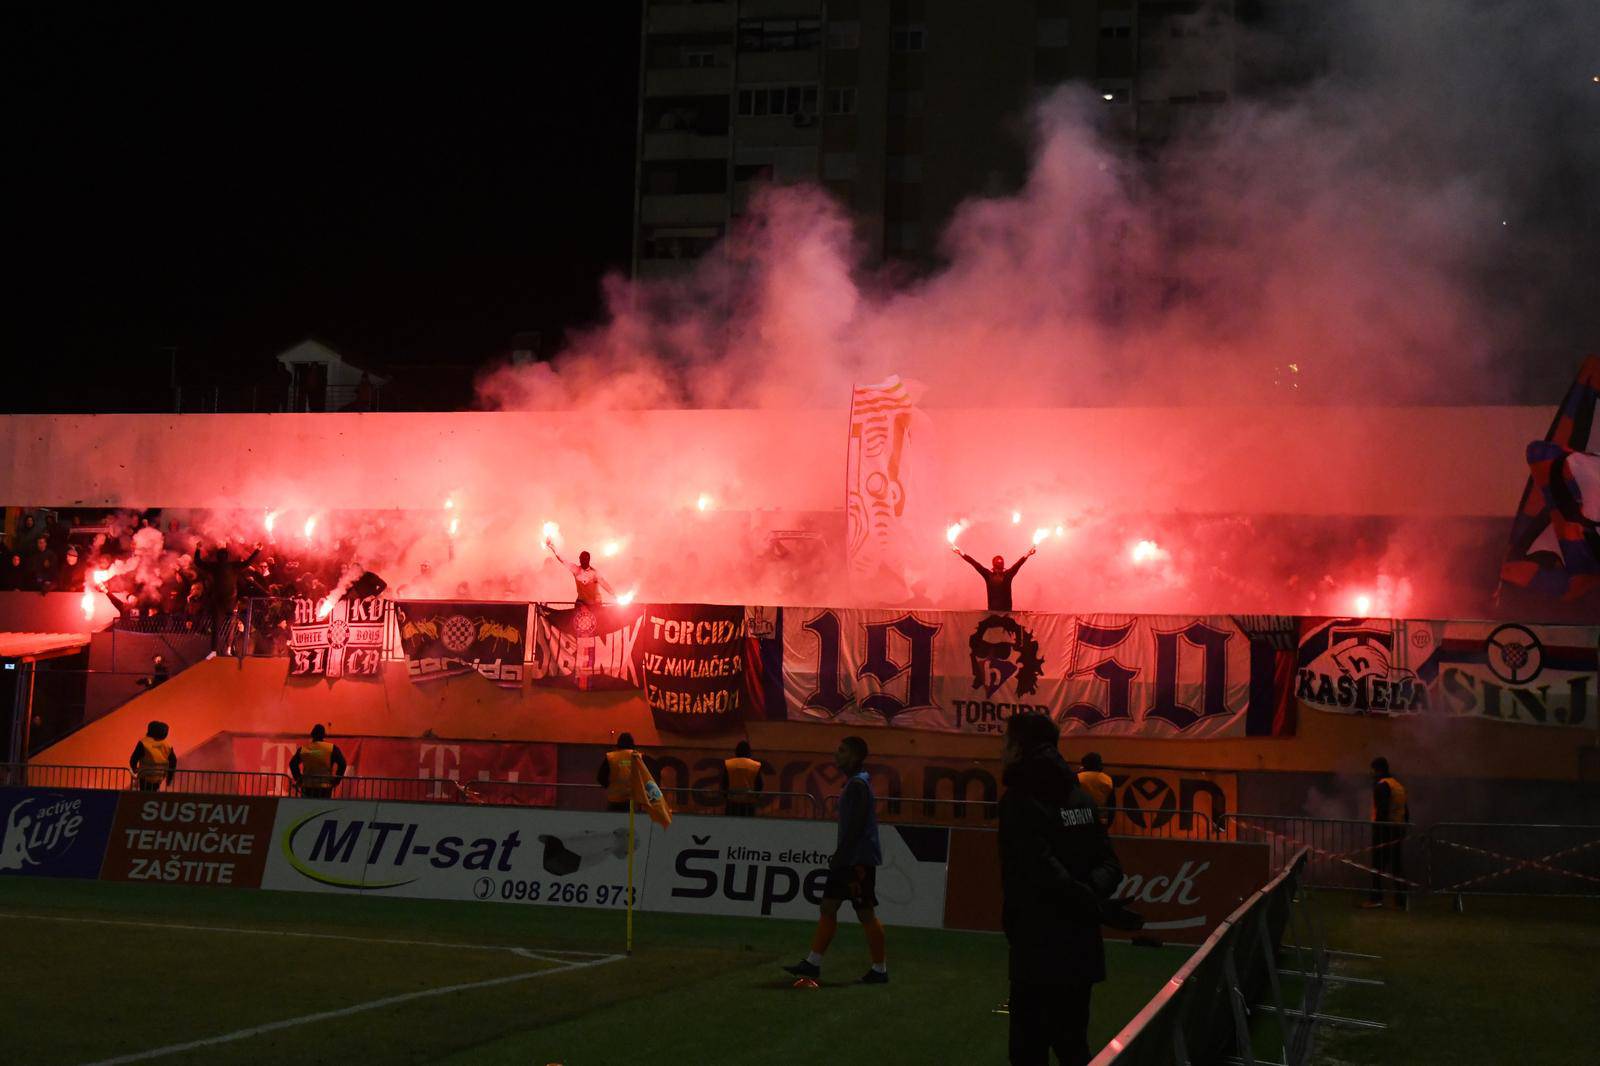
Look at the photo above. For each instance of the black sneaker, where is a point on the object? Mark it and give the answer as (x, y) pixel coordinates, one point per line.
(804, 969)
(875, 977)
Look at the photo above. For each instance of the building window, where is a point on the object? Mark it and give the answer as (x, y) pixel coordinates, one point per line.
(1113, 93)
(903, 236)
(909, 38)
(1116, 25)
(778, 100)
(904, 167)
(839, 166)
(779, 35)
(842, 101)
(907, 102)
(844, 35)
(683, 242)
(698, 58)
(1052, 33)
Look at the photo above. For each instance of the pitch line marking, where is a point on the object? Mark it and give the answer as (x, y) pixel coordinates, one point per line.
(345, 1012)
(524, 952)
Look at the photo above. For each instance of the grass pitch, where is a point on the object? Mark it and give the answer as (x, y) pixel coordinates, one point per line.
(95, 972)
(1508, 980)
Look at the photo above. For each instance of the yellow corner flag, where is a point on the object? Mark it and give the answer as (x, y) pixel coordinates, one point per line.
(647, 795)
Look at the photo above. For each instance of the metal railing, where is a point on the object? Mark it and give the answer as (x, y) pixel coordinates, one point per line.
(1202, 1013)
(1121, 821)
(766, 804)
(1492, 858)
(1344, 853)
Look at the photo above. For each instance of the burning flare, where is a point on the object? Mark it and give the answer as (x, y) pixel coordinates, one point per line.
(610, 548)
(1147, 551)
(1016, 517)
(269, 521)
(703, 502)
(310, 526)
(626, 598)
(1040, 535)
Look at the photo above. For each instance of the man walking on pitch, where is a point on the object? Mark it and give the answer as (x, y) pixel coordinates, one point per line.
(853, 870)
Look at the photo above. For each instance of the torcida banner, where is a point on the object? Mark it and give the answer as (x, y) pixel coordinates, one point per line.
(1097, 675)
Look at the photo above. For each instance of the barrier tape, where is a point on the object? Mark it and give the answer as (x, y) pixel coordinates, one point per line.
(1338, 857)
(1521, 863)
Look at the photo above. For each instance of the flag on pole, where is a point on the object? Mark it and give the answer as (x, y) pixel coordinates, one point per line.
(1555, 537)
(647, 795)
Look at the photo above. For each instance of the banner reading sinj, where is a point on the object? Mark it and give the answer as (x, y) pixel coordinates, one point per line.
(1502, 671)
(450, 639)
(968, 671)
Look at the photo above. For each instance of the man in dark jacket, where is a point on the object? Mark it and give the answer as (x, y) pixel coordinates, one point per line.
(1057, 873)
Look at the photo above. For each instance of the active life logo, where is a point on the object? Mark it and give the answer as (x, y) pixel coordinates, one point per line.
(39, 831)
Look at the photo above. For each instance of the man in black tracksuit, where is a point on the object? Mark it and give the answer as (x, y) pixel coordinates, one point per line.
(1058, 873)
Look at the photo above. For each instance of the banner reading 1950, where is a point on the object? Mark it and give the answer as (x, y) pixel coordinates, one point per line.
(968, 671)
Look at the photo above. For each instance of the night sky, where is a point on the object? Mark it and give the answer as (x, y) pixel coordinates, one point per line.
(411, 190)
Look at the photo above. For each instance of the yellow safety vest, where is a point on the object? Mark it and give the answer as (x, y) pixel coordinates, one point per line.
(742, 775)
(1397, 801)
(1098, 785)
(316, 763)
(153, 764)
(619, 786)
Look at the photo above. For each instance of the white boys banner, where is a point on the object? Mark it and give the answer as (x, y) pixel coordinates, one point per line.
(968, 671)
(1501, 671)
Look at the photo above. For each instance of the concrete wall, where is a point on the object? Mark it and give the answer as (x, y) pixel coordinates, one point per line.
(1434, 461)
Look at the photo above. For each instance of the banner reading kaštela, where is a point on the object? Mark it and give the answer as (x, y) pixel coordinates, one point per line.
(968, 671)
(693, 659)
(1501, 671)
(443, 639)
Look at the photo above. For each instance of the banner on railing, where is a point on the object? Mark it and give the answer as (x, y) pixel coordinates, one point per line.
(1150, 799)
(1506, 672)
(586, 648)
(968, 671)
(398, 759)
(341, 640)
(447, 639)
(692, 662)
(54, 832)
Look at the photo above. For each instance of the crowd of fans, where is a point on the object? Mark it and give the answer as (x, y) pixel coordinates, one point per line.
(163, 574)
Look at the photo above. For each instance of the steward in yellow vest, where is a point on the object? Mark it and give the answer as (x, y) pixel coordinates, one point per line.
(741, 781)
(1390, 814)
(317, 767)
(1094, 780)
(616, 773)
(153, 760)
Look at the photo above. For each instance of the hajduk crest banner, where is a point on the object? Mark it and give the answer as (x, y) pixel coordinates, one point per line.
(968, 671)
(443, 639)
(1501, 671)
(347, 642)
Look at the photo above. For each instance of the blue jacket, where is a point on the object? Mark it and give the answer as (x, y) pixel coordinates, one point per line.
(858, 843)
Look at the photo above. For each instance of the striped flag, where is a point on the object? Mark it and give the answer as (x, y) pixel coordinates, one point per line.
(876, 475)
(1555, 537)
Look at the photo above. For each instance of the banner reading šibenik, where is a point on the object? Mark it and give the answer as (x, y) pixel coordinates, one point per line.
(968, 671)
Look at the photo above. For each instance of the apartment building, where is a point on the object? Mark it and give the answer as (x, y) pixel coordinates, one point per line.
(901, 109)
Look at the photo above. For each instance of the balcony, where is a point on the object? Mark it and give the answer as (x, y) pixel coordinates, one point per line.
(684, 144)
(690, 18)
(769, 68)
(688, 81)
(683, 209)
